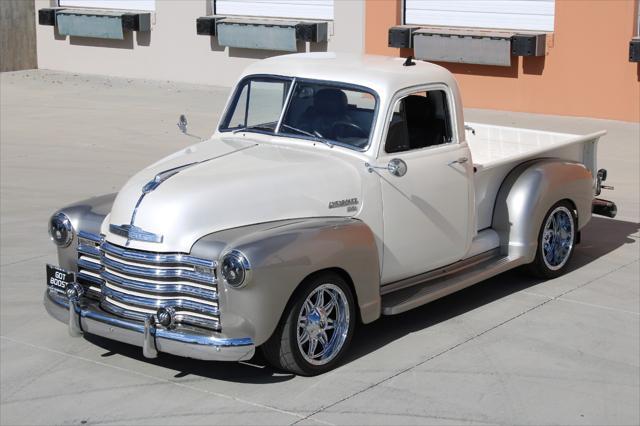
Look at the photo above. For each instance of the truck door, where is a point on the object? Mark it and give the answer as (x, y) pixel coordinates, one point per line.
(427, 191)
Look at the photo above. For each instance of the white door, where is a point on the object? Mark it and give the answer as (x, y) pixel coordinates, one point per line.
(536, 15)
(149, 5)
(305, 9)
(427, 212)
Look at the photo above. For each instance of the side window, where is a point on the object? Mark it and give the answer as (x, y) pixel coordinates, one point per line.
(419, 120)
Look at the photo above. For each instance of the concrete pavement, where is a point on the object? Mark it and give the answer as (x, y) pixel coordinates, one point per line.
(511, 350)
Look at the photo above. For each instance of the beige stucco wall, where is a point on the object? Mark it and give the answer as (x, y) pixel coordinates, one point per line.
(586, 71)
(173, 50)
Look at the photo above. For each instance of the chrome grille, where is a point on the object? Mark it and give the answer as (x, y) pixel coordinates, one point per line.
(134, 283)
(89, 266)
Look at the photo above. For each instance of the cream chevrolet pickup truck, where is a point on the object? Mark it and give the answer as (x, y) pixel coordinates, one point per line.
(336, 189)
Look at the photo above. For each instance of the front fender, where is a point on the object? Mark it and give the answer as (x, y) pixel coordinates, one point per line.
(86, 215)
(527, 194)
(282, 254)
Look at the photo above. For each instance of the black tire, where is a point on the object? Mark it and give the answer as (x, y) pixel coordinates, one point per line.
(542, 268)
(282, 350)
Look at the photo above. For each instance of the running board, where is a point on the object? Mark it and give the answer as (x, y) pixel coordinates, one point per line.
(405, 299)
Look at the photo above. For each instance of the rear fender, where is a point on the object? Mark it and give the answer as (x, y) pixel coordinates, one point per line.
(527, 194)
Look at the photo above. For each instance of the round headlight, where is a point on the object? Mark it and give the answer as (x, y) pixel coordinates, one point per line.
(61, 230)
(235, 269)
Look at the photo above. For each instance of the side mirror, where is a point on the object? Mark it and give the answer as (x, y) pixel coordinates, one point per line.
(182, 123)
(397, 167)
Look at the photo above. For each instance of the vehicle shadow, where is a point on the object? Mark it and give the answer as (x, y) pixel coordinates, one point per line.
(600, 236)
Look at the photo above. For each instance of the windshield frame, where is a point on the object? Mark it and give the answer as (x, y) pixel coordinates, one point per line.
(226, 117)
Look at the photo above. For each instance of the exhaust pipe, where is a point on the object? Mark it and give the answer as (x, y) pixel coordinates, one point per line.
(604, 208)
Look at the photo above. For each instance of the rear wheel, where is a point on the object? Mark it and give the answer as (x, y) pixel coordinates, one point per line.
(556, 241)
(316, 328)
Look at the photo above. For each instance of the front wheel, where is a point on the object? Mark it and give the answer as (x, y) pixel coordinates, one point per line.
(316, 328)
(556, 241)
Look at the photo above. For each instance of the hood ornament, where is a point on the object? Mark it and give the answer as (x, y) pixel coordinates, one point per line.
(131, 232)
(162, 176)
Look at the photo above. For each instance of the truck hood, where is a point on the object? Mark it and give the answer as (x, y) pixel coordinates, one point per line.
(227, 182)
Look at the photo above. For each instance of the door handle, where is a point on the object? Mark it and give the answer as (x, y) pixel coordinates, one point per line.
(460, 160)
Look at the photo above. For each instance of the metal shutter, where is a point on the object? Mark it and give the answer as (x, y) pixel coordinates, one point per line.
(307, 9)
(536, 15)
(149, 5)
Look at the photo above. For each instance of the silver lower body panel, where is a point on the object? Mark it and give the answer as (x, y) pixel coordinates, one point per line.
(186, 342)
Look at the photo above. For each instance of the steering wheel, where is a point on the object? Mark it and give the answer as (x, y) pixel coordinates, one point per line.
(353, 128)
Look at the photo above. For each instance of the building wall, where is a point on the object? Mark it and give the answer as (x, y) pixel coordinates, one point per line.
(173, 51)
(586, 71)
(17, 35)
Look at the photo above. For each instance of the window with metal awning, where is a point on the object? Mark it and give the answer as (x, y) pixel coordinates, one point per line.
(474, 31)
(267, 24)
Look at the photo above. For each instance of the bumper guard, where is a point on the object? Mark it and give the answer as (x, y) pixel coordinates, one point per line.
(85, 316)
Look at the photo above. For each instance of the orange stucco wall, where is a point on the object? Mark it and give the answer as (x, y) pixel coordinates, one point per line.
(586, 71)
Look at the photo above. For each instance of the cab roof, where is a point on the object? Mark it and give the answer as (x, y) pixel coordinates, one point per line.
(386, 75)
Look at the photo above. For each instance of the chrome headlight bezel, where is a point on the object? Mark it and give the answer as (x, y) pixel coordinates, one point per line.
(61, 230)
(235, 269)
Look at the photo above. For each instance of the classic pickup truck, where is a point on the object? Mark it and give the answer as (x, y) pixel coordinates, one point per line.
(336, 189)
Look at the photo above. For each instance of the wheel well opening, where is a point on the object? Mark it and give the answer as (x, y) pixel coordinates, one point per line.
(574, 208)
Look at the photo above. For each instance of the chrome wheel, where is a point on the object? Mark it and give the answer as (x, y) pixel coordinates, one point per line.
(558, 238)
(323, 324)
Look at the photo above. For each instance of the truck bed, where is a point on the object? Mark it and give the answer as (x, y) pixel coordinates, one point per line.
(496, 150)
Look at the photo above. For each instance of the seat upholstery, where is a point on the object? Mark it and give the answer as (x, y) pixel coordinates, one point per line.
(425, 128)
(329, 107)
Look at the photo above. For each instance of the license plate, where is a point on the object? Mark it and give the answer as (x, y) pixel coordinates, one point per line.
(58, 278)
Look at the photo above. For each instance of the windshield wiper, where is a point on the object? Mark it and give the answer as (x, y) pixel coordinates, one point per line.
(315, 135)
(254, 127)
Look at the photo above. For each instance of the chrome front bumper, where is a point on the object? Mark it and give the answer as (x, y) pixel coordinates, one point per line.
(87, 317)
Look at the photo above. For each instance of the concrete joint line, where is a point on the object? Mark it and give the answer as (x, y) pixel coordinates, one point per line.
(457, 345)
(158, 379)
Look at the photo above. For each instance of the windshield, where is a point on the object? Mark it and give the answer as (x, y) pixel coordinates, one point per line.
(324, 111)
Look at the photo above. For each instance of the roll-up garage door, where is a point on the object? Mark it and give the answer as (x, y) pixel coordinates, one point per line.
(306, 9)
(149, 5)
(535, 15)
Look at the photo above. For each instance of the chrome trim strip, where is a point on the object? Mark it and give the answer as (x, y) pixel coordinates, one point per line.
(90, 278)
(156, 258)
(188, 343)
(89, 250)
(85, 264)
(152, 303)
(154, 289)
(213, 323)
(156, 273)
(89, 236)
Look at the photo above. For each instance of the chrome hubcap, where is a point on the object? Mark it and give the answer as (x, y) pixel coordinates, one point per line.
(557, 238)
(323, 324)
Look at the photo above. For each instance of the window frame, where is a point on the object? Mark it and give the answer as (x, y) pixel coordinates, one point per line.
(408, 91)
(294, 80)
